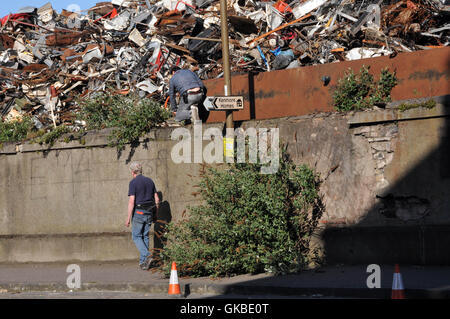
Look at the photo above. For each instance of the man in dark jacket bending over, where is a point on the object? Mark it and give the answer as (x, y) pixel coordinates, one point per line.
(192, 91)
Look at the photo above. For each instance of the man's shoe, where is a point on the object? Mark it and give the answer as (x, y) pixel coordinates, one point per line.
(147, 263)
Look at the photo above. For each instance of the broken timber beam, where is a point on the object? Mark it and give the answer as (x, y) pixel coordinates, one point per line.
(279, 28)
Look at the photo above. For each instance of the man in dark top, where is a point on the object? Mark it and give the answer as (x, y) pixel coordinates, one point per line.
(143, 198)
(192, 92)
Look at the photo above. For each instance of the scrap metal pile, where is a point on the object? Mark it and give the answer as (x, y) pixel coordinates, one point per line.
(48, 60)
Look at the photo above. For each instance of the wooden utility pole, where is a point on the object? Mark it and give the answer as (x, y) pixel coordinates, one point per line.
(226, 70)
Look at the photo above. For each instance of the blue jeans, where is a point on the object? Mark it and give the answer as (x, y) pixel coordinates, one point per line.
(140, 228)
(184, 109)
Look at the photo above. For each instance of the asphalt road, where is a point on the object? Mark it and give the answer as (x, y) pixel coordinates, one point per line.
(134, 295)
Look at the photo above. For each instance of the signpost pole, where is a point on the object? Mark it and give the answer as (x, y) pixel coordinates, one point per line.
(225, 47)
(226, 68)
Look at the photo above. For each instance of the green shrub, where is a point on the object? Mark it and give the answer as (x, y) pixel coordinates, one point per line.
(15, 131)
(382, 90)
(137, 122)
(249, 222)
(130, 116)
(103, 110)
(359, 91)
(52, 136)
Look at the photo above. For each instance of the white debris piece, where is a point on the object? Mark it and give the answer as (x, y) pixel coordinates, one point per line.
(147, 86)
(365, 53)
(273, 17)
(306, 7)
(137, 37)
(118, 23)
(45, 12)
(175, 4)
(94, 53)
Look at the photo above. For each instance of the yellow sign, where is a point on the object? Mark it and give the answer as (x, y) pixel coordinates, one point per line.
(228, 147)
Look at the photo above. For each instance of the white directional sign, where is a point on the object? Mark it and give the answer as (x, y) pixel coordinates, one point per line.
(224, 103)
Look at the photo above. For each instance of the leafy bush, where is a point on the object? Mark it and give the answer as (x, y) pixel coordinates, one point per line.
(130, 116)
(15, 131)
(249, 222)
(383, 88)
(103, 110)
(359, 91)
(52, 136)
(137, 122)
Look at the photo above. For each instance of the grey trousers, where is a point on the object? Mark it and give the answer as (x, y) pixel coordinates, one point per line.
(184, 109)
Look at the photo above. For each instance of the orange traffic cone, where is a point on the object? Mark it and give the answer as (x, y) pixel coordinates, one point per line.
(398, 291)
(174, 286)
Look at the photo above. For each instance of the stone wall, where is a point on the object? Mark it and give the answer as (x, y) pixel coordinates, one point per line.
(385, 185)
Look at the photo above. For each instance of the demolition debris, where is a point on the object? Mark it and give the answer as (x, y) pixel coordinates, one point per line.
(49, 60)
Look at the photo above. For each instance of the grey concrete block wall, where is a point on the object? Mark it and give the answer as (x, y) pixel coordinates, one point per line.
(66, 248)
(70, 202)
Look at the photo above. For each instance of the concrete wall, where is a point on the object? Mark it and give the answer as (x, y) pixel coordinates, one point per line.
(70, 202)
(386, 180)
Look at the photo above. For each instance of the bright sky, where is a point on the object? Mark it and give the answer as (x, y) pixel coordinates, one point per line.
(10, 6)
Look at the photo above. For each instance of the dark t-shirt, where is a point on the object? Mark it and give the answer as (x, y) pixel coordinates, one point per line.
(144, 189)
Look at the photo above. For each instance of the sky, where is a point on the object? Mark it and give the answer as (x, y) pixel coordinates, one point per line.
(10, 6)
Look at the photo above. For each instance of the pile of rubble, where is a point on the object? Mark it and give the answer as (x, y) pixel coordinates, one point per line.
(49, 60)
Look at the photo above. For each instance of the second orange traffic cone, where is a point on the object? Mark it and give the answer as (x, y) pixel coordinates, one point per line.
(398, 291)
(174, 286)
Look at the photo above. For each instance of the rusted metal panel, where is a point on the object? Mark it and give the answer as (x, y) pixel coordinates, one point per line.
(6, 41)
(64, 39)
(300, 91)
(35, 67)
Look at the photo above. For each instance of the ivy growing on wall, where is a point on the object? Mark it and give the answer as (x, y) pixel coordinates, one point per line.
(360, 91)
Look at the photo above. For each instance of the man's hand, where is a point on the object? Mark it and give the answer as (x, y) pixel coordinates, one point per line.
(155, 215)
(127, 223)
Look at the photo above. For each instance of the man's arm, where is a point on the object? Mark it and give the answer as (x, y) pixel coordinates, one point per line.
(155, 216)
(130, 209)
